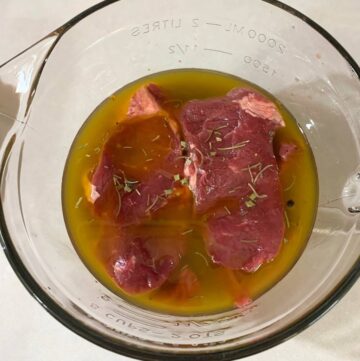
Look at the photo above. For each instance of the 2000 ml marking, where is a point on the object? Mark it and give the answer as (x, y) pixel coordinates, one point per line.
(260, 37)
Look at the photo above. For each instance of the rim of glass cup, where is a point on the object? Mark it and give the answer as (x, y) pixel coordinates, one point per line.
(108, 343)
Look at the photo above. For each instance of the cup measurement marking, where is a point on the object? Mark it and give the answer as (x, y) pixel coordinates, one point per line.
(182, 48)
(124, 323)
(160, 330)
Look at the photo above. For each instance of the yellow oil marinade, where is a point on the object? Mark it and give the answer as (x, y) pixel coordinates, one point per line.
(218, 286)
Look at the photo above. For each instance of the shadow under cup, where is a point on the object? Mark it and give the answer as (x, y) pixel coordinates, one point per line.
(97, 54)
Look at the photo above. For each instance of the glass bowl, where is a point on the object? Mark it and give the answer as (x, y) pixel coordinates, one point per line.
(50, 89)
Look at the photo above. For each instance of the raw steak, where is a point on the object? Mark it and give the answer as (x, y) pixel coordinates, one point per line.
(130, 184)
(120, 189)
(234, 176)
(144, 259)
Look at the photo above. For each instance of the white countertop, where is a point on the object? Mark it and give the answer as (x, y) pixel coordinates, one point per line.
(28, 332)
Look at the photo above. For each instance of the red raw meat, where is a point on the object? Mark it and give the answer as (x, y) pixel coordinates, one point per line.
(144, 102)
(242, 302)
(287, 150)
(186, 286)
(143, 260)
(234, 176)
(122, 189)
(130, 185)
(131, 207)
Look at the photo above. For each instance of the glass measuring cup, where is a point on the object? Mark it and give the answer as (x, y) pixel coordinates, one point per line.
(52, 87)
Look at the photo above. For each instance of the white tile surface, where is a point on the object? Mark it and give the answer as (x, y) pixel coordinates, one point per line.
(27, 332)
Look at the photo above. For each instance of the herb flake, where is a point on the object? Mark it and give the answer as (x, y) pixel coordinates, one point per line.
(227, 210)
(287, 221)
(118, 186)
(78, 202)
(127, 188)
(187, 232)
(184, 145)
(236, 146)
(222, 127)
(255, 193)
(250, 204)
(83, 146)
(203, 257)
(261, 172)
(188, 162)
(252, 196)
(291, 184)
(152, 205)
(131, 181)
(211, 132)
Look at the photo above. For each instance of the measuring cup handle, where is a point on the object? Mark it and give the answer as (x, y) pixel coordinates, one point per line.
(20, 75)
(18, 79)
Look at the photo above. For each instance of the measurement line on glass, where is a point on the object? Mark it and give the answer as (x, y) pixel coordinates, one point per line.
(213, 24)
(218, 51)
